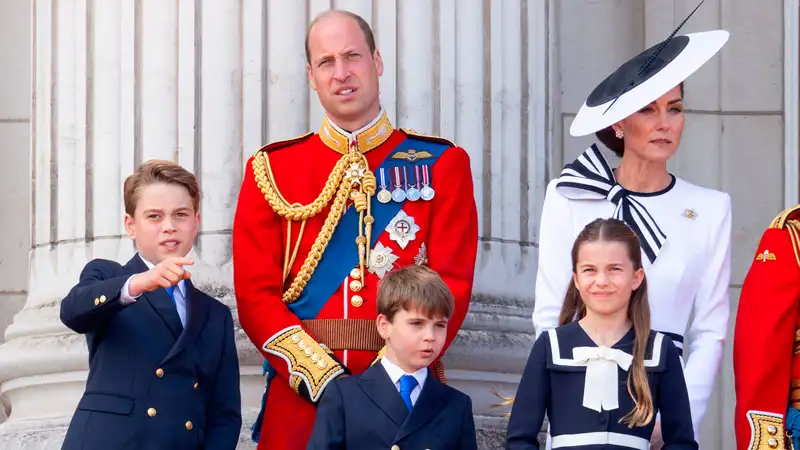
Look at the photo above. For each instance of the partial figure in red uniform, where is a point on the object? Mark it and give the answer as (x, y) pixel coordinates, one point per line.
(766, 342)
(323, 217)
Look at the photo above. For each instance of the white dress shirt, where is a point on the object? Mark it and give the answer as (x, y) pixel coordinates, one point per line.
(179, 294)
(396, 372)
(690, 275)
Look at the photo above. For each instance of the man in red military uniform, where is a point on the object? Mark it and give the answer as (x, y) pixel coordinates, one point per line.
(767, 340)
(323, 217)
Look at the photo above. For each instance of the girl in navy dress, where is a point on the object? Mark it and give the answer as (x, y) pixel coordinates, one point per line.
(602, 375)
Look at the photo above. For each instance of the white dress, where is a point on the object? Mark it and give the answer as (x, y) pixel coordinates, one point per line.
(690, 275)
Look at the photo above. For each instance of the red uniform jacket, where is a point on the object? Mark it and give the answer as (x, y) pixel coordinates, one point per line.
(765, 340)
(446, 240)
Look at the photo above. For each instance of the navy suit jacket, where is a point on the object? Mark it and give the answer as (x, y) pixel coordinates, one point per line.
(366, 411)
(152, 384)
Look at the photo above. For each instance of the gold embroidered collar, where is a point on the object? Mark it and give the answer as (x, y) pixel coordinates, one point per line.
(367, 138)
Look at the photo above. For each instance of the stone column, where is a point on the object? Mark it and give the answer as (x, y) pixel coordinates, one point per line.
(206, 84)
(14, 161)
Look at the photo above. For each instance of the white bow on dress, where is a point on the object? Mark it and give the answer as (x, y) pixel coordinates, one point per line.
(601, 387)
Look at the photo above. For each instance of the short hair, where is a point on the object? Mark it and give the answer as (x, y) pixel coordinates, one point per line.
(415, 287)
(159, 171)
(365, 28)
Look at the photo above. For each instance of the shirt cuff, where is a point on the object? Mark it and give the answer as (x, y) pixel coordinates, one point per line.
(125, 294)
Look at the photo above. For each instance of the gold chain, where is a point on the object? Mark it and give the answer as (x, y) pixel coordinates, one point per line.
(349, 179)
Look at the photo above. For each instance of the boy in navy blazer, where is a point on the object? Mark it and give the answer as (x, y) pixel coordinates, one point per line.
(398, 403)
(163, 368)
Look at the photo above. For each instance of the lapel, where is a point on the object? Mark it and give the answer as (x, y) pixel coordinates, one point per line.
(159, 300)
(197, 312)
(375, 382)
(430, 403)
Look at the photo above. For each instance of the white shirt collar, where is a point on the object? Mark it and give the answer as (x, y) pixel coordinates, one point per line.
(181, 284)
(352, 136)
(396, 372)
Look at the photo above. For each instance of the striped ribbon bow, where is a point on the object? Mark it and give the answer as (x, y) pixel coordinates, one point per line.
(590, 177)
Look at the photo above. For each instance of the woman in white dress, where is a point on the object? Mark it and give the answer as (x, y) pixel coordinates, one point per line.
(684, 229)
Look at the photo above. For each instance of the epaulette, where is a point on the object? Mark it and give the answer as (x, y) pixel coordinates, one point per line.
(780, 220)
(425, 137)
(272, 146)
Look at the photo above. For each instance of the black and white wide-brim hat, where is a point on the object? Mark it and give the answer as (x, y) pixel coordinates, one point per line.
(646, 77)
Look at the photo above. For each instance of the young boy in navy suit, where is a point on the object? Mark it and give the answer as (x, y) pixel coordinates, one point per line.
(163, 369)
(398, 403)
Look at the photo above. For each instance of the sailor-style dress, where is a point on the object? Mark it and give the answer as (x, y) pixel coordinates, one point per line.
(583, 390)
(685, 233)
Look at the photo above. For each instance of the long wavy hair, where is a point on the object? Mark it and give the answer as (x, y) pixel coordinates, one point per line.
(613, 230)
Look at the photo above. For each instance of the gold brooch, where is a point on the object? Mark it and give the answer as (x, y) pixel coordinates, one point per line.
(766, 256)
(689, 214)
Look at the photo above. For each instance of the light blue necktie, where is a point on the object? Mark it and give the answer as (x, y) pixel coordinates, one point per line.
(407, 384)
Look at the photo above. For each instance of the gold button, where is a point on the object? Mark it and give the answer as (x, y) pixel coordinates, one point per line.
(315, 357)
(160, 373)
(355, 273)
(195, 386)
(773, 443)
(151, 412)
(302, 345)
(189, 425)
(96, 301)
(308, 352)
(322, 364)
(102, 299)
(395, 447)
(295, 338)
(355, 285)
(772, 429)
(356, 301)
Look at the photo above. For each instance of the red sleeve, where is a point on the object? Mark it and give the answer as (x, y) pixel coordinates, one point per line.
(453, 240)
(763, 339)
(268, 322)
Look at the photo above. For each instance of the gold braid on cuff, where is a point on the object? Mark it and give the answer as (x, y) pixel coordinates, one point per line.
(767, 431)
(309, 362)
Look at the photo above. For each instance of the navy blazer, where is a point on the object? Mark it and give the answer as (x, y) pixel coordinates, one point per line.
(553, 383)
(152, 384)
(374, 416)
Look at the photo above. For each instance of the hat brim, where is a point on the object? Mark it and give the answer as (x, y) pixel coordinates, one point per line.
(700, 48)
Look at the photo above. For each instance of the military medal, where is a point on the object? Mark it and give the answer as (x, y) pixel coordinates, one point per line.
(412, 193)
(402, 229)
(427, 191)
(384, 196)
(381, 260)
(399, 193)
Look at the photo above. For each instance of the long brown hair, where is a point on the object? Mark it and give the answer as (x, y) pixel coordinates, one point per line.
(613, 230)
